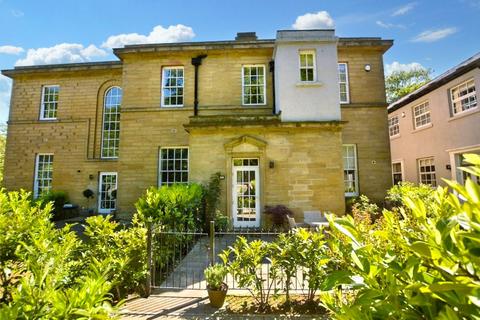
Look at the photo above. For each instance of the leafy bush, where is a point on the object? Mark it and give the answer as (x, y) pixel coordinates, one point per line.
(43, 275)
(215, 276)
(423, 263)
(398, 193)
(58, 198)
(124, 248)
(177, 207)
(244, 261)
(278, 214)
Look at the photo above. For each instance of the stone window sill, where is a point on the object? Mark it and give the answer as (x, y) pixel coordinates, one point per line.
(309, 84)
(395, 136)
(464, 114)
(427, 126)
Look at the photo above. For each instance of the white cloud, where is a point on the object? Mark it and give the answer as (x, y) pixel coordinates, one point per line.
(319, 20)
(387, 25)
(404, 9)
(397, 66)
(11, 50)
(61, 53)
(434, 35)
(159, 34)
(5, 88)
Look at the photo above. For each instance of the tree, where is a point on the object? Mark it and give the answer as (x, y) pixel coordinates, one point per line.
(402, 82)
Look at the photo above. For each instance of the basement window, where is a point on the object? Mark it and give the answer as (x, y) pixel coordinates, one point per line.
(172, 87)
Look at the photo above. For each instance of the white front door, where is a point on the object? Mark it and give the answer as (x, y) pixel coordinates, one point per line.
(107, 192)
(246, 193)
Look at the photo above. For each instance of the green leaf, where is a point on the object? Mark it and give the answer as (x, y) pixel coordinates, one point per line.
(424, 249)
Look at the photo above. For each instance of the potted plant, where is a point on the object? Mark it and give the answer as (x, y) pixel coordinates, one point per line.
(216, 287)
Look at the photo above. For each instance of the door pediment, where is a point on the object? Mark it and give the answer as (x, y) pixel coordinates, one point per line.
(245, 144)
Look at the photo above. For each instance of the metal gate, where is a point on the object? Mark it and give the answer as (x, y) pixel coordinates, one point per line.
(177, 259)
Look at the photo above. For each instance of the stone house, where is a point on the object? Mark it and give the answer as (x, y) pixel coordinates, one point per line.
(433, 127)
(299, 120)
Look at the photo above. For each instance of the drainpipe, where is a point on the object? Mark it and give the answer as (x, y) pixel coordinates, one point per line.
(197, 61)
(272, 70)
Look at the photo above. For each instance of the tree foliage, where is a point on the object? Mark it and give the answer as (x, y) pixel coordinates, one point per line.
(402, 82)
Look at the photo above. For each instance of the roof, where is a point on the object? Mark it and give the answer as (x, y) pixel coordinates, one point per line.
(451, 74)
(102, 65)
(184, 46)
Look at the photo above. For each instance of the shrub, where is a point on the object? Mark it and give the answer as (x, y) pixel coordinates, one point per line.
(177, 207)
(278, 214)
(124, 248)
(244, 261)
(215, 276)
(211, 197)
(58, 198)
(423, 263)
(398, 193)
(43, 275)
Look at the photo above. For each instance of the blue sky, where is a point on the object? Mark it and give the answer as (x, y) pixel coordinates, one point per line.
(434, 34)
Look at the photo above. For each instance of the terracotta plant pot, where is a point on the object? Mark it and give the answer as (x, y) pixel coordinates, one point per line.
(217, 297)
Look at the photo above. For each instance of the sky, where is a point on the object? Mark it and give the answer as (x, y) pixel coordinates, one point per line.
(435, 34)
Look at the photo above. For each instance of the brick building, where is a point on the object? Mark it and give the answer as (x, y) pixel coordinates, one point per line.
(299, 120)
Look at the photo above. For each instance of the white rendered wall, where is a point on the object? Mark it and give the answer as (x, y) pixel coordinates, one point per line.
(297, 101)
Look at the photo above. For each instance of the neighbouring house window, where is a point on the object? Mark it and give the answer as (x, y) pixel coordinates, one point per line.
(397, 174)
(463, 97)
(253, 85)
(393, 126)
(111, 122)
(172, 87)
(426, 170)
(307, 65)
(173, 165)
(421, 114)
(48, 109)
(43, 174)
(350, 172)
(343, 82)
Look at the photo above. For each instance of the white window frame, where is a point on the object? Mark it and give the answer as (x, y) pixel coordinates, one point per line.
(459, 99)
(264, 84)
(396, 172)
(346, 82)
(391, 127)
(172, 87)
(36, 178)
(42, 105)
(314, 67)
(434, 172)
(419, 116)
(356, 192)
(161, 169)
(106, 210)
(103, 124)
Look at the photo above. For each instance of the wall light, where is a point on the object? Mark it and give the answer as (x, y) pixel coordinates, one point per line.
(368, 67)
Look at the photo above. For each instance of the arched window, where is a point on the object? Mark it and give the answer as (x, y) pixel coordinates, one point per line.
(111, 122)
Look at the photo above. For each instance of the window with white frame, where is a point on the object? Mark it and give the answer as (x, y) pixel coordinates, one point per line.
(421, 115)
(307, 66)
(111, 122)
(343, 82)
(397, 174)
(48, 108)
(253, 85)
(43, 174)
(463, 97)
(393, 126)
(173, 165)
(350, 171)
(426, 171)
(172, 87)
